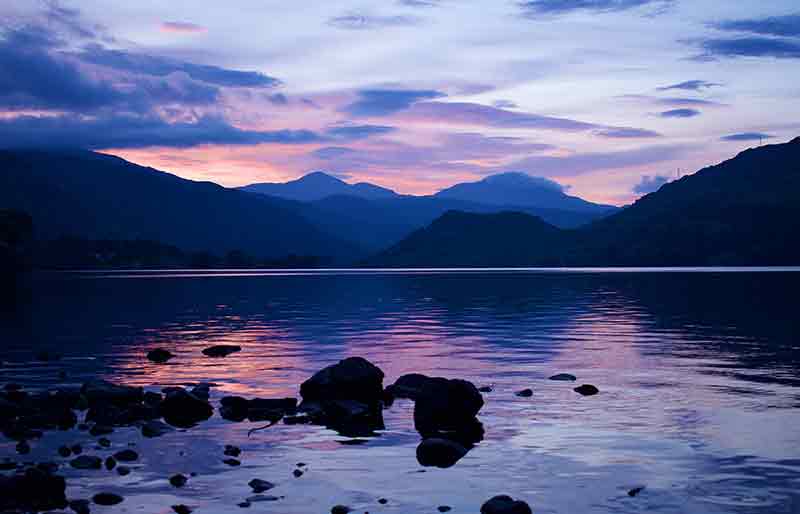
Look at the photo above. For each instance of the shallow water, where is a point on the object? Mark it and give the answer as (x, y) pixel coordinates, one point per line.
(699, 373)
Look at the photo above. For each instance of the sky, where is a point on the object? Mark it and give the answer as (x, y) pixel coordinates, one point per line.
(609, 98)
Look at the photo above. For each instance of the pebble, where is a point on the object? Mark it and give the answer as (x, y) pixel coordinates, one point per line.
(178, 480)
(525, 393)
(232, 462)
(107, 499)
(182, 509)
(586, 390)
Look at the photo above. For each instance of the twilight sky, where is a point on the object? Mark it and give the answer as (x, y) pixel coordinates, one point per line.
(607, 97)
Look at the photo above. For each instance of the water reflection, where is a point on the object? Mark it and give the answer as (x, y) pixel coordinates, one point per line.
(698, 372)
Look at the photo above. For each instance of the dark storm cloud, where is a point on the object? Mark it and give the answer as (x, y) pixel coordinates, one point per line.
(787, 26)
(680, 113)
(750, 47)
(162, 66)
(534, 7)
(627, 133)
(71, 131)
(747, 136)
(690, 85)
(363, 21)
(649, 184)
(354, 132)
(382, 102)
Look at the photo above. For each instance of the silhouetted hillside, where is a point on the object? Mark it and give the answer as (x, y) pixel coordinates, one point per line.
(744, 211)
(96, 197)
(16, 234)
(316, 186)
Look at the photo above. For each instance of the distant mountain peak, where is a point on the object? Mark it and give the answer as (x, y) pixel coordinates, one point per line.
(318, 185)
(320, 176)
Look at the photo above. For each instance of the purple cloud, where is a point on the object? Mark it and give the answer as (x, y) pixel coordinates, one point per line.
(627, 133)
(649, 184)
(690, 85)
(747, 136)
(680, 113)
(382, 102)
(787, 26)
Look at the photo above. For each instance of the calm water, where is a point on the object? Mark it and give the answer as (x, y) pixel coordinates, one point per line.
(699, 375)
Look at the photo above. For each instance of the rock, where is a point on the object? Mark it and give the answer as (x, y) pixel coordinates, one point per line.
(297, 420)
(97, 430)
(232, 451)
(260, 486)
(80, 506)
(564, 377)
(444, 508)
(297, 473)
(33, 491)
(221, 350)
(586, 390)
(181, 509)
(178, 480)
(262, 498)
(45, 356)
(105, 443)
(159, 355)
(243, 505)
(525, 393)
(439, 452)
(383, 501)
(234, 408)
(408, 386)
(202, 390)
(351, 418)
(182, 409)
(445, 404)
(485, 389)
(76, 449)
(101, 392)
(152, 398)
(340, 509)
(232, 462)
(505, 505)
(64, 451)
(354, 378)
(86, 462)
(127, 455)
(155, 428)
(123, 471)
(107, 499)
(111, 463)
(23, 448)
(636, 490)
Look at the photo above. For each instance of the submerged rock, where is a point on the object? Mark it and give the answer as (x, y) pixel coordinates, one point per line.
(123, 471)
(485, 389)
(341, 509)
(80, 506)
(586, 390)
(178, 480)
(444, 508)
(446, 404)
(504, 504)
(564, 377)
(260, 486)
(103, 392)
(221, 350)
(126, 456)
(107, 499)
(86, 462)
(232, 462)
(182, 409)
(636, 490)
(232, 451)
(159, 355)
(354, 378)
(111, 463)
(182, 509)
(525, 393)
(155, 428)
(439, 452)
(35, 490)
(236, 408)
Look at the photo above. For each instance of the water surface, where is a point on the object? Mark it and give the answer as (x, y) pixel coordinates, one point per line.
(699, 373)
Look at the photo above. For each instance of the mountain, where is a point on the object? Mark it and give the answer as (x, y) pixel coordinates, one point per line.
(744, 211)
(316, 186)
(95, 196)
(521, 190)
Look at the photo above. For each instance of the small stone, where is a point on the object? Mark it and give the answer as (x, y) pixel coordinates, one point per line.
(444, 508)
(232, 462)
(97, 430)
(262, 498)
(126, 456)
(297, 473)
(340, 509)
(123, 471)
(107, 499)
(383, 501)
(155, 428)
(260, 486)
(244, 505)
(178, 480)
(80, 506)
(301, 464)
(586, 390)
(221, 350)
(105, 443)
(636, 490)
(159, 355)
(232, 451)
(23, 448)
(505, 505)
(564, 377)
(485, 389)
(182, 509)
(111, 463)
(86, 462)
(77, 449)
(525, 393)
(64, 451)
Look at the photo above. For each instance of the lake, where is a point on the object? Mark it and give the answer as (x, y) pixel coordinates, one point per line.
(698, 371)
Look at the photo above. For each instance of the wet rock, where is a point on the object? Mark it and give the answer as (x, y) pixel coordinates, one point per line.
(97, 430)
(439, 452)
(232, 451)
(202, 390)
(33, 491)
(182, 409)
(80, 506)
(354, 378)
(446, 404)
(123, 471)
(262, 498)
(243, 505)
(297, 473)
(107, 499)
(232, 462)
(126, 455)
(408, 386)
(485, 389)
(76, 449)
(351, 418)
(341, 509)
(64, 451)
(155, 428)
(111, 463)
(444, 508)
(103, 392)
(105, 443)
(297, 420)
(178, 480)
(586, 390)
(86, 462)
(182, 509)
(159, 355)
(564, 377)
(221, 350)
(152, 398)
(525, 393)
(383, 501)
(23, 448)
(505, 505)
(260, 486)
(636, 490)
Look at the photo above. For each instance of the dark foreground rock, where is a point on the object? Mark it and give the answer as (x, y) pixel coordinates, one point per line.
(408, 386)
(564, 377)
(586, 390)
(101, 392)
(107, 499)
(525, 393)
(505, 505)
(182, 409)
(221, 350)
(159, 355)
(438, 452)
(237, 408)
(86, 462)
(33, 491)
(155, 428)
(354, 378)
(260, 486)
(446, 404)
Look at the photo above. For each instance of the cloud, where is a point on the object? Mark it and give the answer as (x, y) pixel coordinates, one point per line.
(787, 26)
(504, 104)
(420, 3)
(332, 152)
(687, 102)
(355, 132)
(182, 27)
(278, 99)
(535, 7)
(649, 184)
(382, 102)
(750, 47)
(627, 133)
(162, 66)
(363, 21)
(680, 113)
(747, 136)
(690, 85)
(120, 131)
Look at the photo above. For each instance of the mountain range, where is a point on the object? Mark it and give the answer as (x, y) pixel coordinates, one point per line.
(744, 211)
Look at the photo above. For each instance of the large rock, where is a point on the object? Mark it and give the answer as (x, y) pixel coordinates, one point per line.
(439, 452)
(446, 404)
(103, 392)
(408, 386)
(354, 378)
(159, 355)
(504, 504)
(182, 409)
(236, 408)
(35, 490)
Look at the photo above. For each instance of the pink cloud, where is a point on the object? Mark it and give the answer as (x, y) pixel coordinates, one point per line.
(181, 27)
